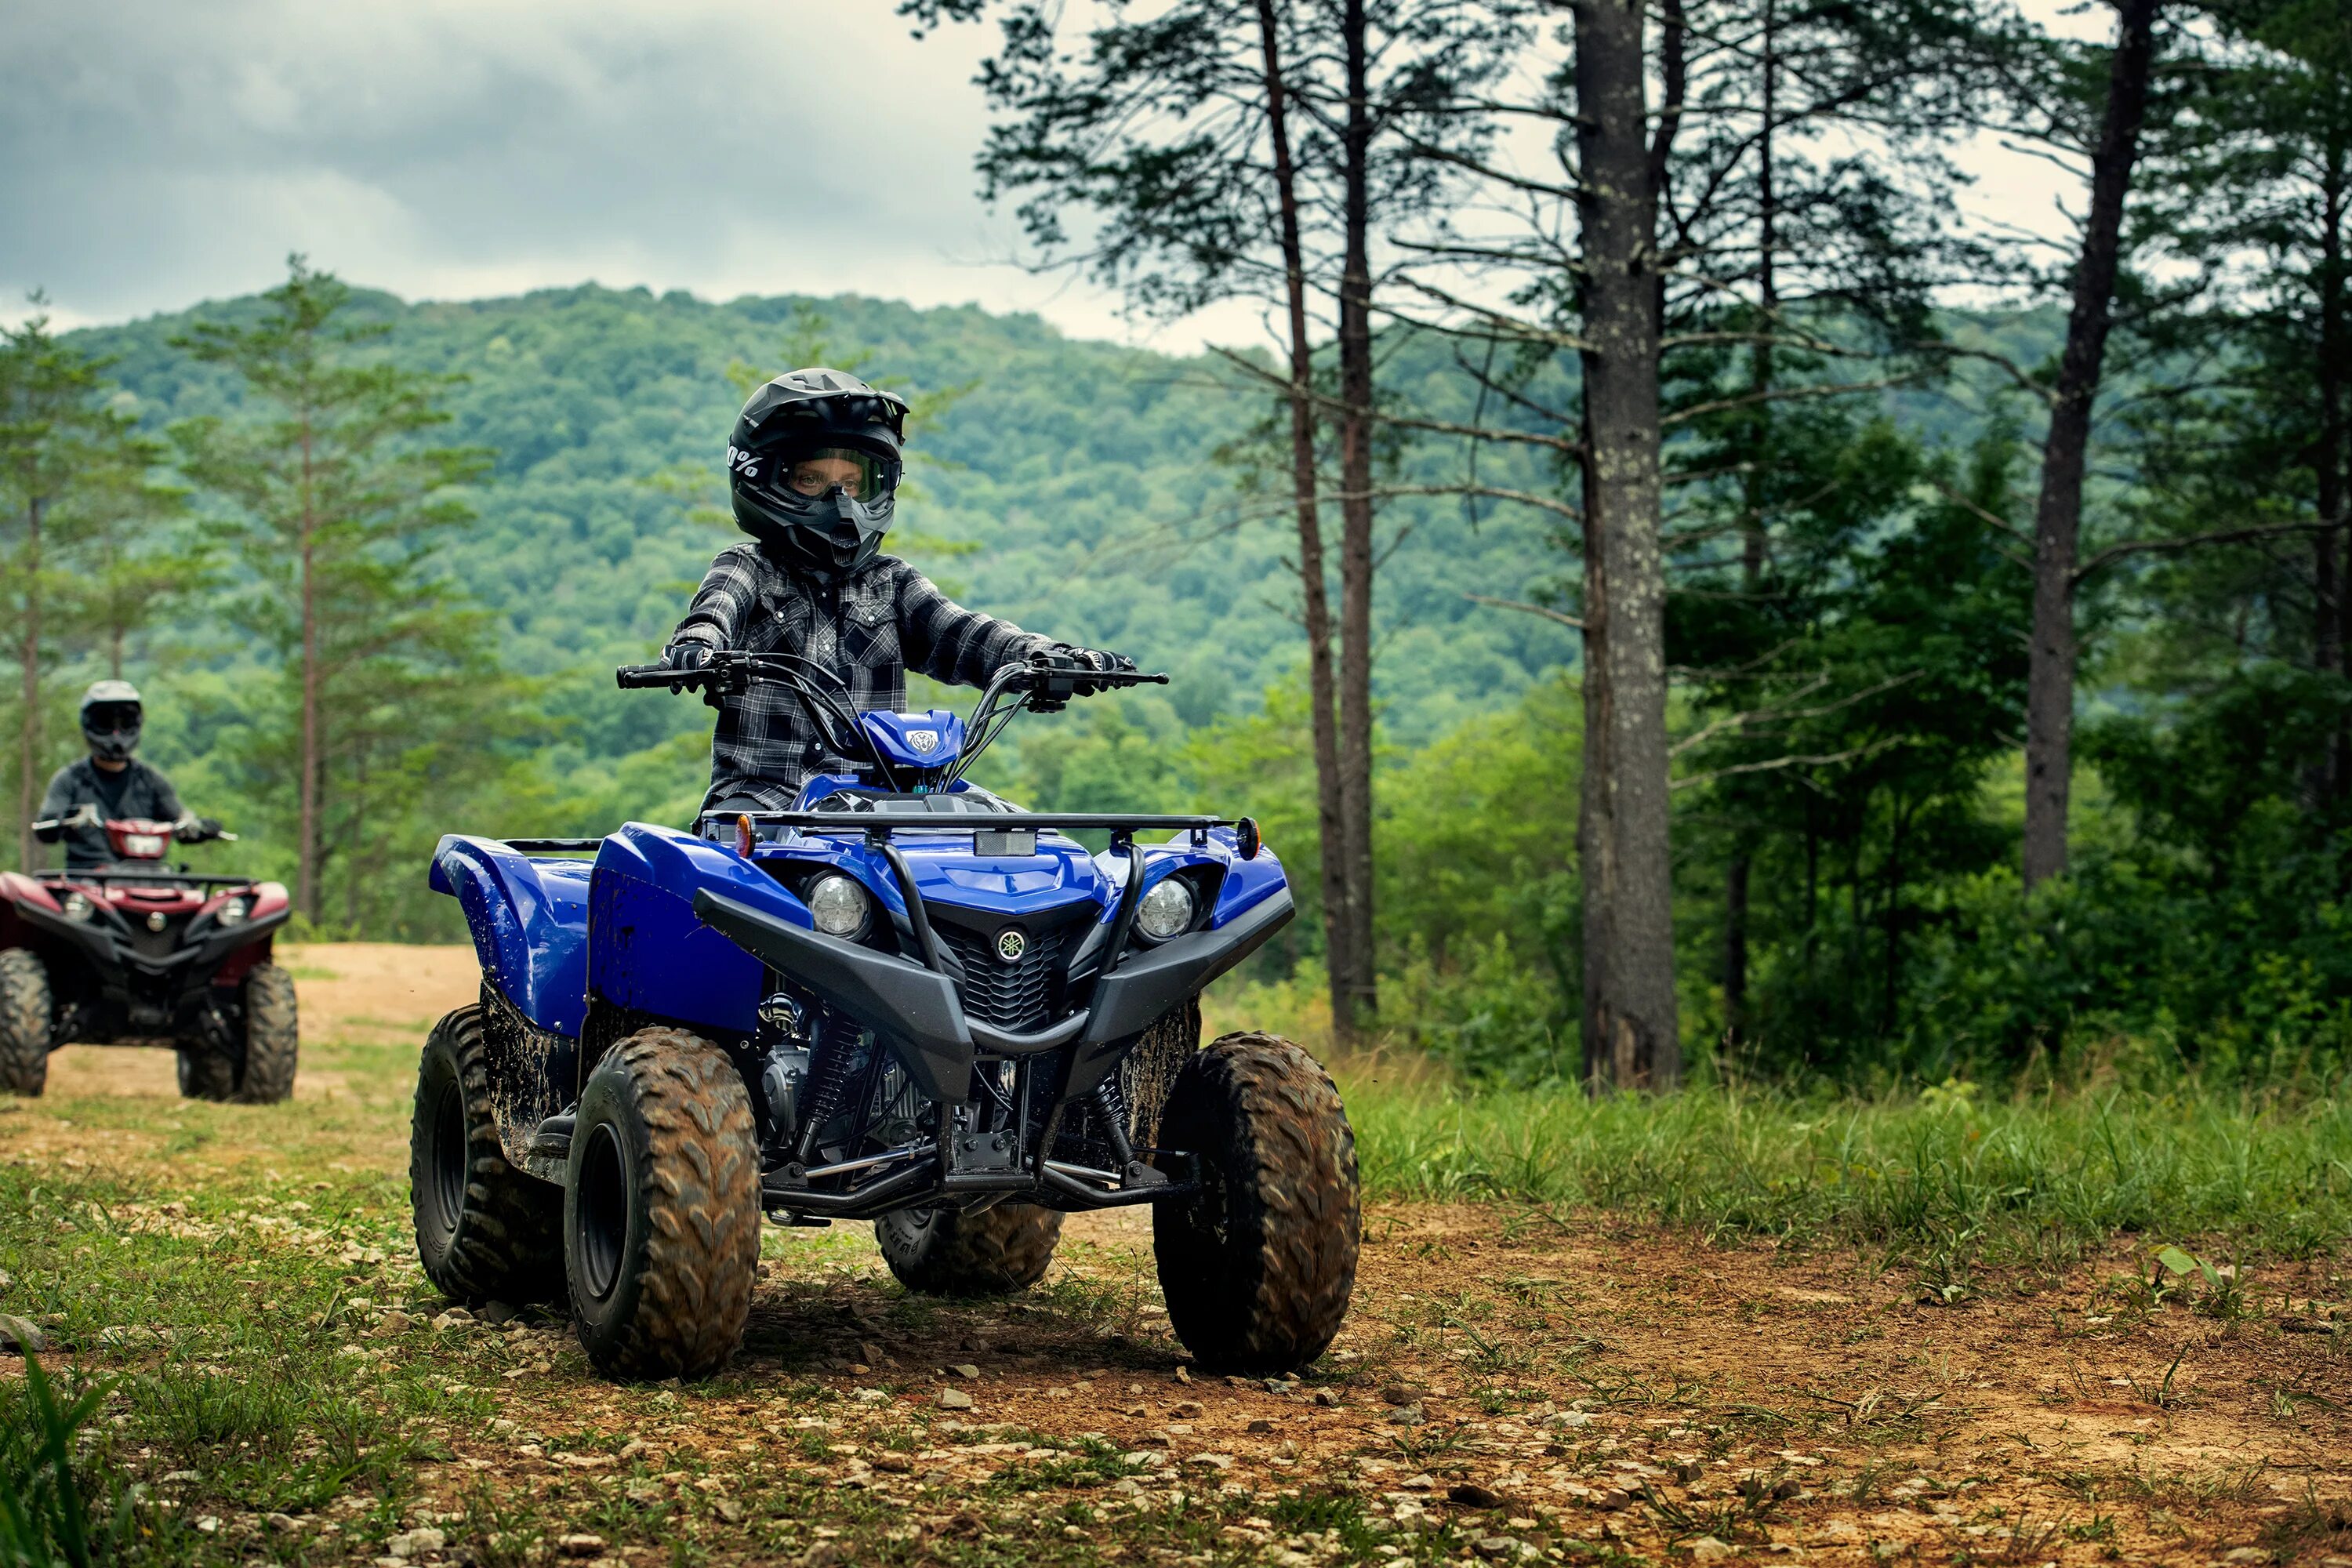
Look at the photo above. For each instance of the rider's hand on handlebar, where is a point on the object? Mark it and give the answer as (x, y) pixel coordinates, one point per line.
(196, 829)
(687, 655)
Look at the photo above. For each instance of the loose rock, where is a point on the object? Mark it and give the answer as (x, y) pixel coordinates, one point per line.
(1470, 1494)
(1708, 1548)
(580, 1545)
(965, 1369)
(954, 1399)
(17, 1334)
(412, 1543)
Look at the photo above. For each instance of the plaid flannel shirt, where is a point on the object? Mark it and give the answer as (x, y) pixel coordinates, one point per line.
(868, 629)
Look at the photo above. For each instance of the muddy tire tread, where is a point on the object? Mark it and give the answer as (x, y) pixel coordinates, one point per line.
(699, 1185)
(509, 1241)
(206, 1072)
(996, 1252)
(24, 1014)
(273, 1037)
(1270, 1296)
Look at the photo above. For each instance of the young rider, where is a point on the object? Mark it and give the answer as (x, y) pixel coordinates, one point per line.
(111, 783)
(813, 467)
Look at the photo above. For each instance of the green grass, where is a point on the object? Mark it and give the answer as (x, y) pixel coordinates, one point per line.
(1944, 1179)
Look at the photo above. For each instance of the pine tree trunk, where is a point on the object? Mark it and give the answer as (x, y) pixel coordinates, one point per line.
(1315, 601)
(2058, 517)
(306, 877)
(1356, 530)
(2329, 616)
(1639, 1035)
(28, 653)
(1596, 838)
(1754, 498)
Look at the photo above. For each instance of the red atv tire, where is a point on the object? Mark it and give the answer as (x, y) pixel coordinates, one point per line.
(26, 1013)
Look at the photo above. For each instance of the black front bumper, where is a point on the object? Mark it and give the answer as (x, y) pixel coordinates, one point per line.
(149, 991)
(917, 1010)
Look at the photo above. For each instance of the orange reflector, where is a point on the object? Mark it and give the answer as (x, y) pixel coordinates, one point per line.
(743, 837)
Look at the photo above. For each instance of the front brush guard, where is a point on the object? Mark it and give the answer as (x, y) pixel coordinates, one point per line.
(915, 1008)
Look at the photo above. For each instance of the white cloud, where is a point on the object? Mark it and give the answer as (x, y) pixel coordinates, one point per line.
(154, 154)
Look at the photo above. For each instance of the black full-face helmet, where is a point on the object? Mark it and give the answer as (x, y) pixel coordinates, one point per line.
(813, 467)
(110, 716)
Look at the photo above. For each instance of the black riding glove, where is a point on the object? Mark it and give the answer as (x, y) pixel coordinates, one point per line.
(1096, 659)
(197, 829)
(688, 655)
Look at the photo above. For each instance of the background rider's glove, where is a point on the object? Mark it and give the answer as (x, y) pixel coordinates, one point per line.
(196, 829)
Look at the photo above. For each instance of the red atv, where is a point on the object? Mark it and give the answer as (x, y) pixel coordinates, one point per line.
(139, 953)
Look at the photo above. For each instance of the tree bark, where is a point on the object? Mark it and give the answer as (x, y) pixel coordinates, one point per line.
(2329, 610)
(29, 783)
(306, 862)
(1314, 599)
(2058, 517)
(1753, 497)
(1596, 838)
(1355, 740)
(1636, 1021)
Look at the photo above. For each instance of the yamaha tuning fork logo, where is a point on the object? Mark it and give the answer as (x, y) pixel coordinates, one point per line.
(1010, 945)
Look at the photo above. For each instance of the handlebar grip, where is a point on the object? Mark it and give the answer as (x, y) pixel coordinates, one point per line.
(633, 677)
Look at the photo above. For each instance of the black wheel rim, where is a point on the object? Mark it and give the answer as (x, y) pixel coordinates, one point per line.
(601, 1211)
(449, 1156)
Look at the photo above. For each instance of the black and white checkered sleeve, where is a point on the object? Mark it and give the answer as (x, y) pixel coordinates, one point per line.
(947, 642)
(722, 606)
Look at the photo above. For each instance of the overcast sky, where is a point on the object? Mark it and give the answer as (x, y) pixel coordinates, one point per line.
(154, 153)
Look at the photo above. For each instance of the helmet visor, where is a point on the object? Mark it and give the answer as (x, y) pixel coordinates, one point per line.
(860, 475)
(109, 718)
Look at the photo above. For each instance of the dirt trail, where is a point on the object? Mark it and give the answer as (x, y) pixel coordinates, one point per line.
(1510, 1385)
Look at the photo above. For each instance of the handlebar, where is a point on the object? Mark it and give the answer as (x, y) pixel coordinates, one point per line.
(730, 672)
(1045, 684)
(85, 816)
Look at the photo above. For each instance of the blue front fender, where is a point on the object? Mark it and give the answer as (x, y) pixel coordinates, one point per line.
(650, 954)
(530, 923)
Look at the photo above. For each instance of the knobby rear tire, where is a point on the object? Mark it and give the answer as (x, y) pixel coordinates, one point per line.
(947, 1252)
(1258, 1266)
(485, 1231)
(206, 1072)
(273, 1037)
(25, 1012)
(661, 1208)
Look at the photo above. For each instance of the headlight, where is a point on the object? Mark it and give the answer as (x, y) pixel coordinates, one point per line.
(229, 914)
(1166, 910)
(76, 907)
(838, 904)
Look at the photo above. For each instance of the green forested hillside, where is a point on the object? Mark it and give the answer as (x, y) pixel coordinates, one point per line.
(1086, 475)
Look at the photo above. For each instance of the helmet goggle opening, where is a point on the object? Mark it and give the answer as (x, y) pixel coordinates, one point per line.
(859, 474)
(110, 718)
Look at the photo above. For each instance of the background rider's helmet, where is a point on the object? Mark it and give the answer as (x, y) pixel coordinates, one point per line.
(110, 715)
(813, 467)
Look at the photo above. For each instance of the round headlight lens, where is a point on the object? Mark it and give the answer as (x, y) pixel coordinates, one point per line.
(76, 907)
(229, 914)
(1166, 910)
(838, 905)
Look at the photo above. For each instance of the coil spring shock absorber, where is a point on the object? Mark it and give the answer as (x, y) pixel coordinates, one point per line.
(1111, 1106)
(829, 1071)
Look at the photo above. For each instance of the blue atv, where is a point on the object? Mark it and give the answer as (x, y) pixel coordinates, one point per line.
(903, 1001)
